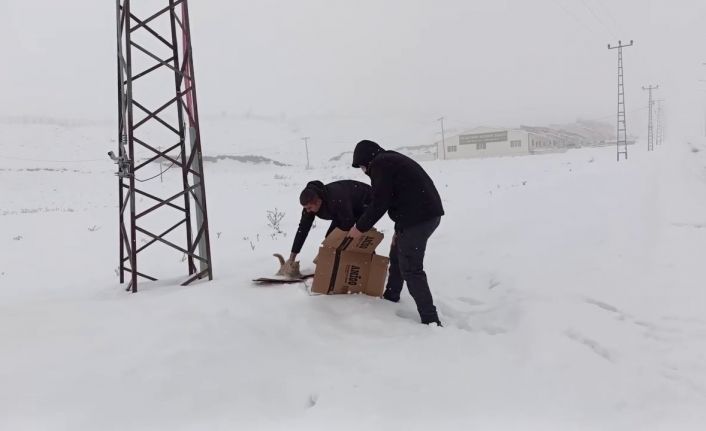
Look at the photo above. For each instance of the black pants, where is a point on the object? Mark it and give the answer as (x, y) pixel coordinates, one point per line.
(407, 265)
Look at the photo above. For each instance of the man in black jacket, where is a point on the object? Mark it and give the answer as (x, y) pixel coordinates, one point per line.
(404, 190)
(342, 202)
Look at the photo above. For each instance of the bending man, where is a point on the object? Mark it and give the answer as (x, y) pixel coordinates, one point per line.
(342, 202)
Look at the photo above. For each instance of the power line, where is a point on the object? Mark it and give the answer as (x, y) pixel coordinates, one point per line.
(611, 115)
(53, 161)
(609, 15)
(159, 174)
(598, 18)
(581, 22)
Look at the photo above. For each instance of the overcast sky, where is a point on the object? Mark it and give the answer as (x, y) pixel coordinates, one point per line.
(475, 62)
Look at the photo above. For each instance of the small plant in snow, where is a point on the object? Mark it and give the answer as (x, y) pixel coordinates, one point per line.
(17, 238)
(252, 246)
(274, 218)
(93, 228)
(218, 235)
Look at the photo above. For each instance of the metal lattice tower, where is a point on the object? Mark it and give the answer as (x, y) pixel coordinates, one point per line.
(622, 133)
(650, 118)
(156, 99)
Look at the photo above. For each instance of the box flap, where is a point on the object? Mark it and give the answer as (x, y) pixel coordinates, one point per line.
(366, 243)
(324, 270)
(334, 239)
(375, 284)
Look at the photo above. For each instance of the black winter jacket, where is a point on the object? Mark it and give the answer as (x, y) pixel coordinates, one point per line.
(400, 187)
(343, 202)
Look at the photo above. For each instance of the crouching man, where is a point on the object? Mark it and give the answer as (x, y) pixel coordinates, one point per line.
(342, 202)
(404, 190)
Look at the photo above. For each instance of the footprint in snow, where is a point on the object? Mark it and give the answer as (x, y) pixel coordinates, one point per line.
(407, 314)
(470, 301)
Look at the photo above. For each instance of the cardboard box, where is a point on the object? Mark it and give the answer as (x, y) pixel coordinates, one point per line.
(344, 265)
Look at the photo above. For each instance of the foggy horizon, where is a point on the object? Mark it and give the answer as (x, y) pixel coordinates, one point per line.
(396, 65)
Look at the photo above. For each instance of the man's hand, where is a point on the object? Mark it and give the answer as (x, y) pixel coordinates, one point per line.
(354, 233)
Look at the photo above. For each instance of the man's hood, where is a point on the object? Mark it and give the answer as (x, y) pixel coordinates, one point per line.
(364, 153)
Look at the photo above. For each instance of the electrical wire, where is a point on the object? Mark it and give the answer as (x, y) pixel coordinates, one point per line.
(158, 175)
(53, 161)
(614, 114)
(575, 18)
(84, 161)
(607, 12)
(590, 9)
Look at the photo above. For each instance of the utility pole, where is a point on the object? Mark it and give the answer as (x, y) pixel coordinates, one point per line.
(659, 135)
(704, 80)
(622, 133)
(143, 48)
(306, 146)
(443, 143)
(650, 126)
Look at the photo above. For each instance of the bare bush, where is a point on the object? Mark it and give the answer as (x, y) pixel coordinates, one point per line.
(274, 218)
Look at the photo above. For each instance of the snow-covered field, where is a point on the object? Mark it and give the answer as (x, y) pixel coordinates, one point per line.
(572, 287)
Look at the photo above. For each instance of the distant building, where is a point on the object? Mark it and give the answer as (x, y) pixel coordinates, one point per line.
(486, 142)
(496, 142)
(549, 140)
(590, 133)
(522, 141)
(525, 140)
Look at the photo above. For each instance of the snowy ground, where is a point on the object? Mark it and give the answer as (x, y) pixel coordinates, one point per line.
(571, 286)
